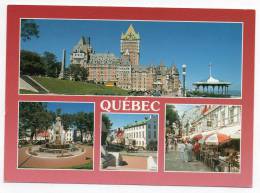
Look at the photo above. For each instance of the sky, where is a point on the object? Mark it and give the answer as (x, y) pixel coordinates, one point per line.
(70, 108)
(182, 108)
(122, 119)
(195, 44)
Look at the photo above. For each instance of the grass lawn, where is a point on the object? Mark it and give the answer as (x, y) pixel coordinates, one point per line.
(87, 166)
(27, 92)
(57, 86)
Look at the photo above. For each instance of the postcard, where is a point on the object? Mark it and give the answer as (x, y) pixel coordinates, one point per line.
(99, 95)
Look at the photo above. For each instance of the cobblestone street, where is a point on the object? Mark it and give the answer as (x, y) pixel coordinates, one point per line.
(174, 163)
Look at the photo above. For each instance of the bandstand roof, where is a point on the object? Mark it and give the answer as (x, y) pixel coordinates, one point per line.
(212, 81)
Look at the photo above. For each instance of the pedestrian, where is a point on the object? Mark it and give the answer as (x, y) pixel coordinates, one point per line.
(175, 144)
(196, 150)
(187, 151)
(181, 148)
(166, 143)
(189, 148)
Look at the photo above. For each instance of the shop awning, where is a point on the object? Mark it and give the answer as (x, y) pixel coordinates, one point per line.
(230, 130)
(217, 139)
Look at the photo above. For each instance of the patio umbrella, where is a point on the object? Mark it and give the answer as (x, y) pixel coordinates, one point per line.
(236, 135)
(205, 135)
(197, 137)
(217, 139)
(230, 130)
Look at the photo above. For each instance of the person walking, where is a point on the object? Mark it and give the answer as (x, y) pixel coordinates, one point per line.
(189, 151)
(196, 150)
(166, 143)
(181, 148)
(175, 144)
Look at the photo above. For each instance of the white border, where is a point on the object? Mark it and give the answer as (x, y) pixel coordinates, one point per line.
(212, 172)
(158, 140)
(127, 20)
(43, 101)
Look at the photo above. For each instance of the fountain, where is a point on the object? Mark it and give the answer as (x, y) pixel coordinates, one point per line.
(57, 143)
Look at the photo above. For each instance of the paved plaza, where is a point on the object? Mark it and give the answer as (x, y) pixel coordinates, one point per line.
(26, 160)
(174, 163)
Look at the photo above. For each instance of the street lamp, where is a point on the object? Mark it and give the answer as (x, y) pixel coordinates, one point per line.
(183, 78)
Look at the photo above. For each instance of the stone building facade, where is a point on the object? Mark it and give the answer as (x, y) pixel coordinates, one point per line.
(142, 132)
(214, 117)
(125, 71)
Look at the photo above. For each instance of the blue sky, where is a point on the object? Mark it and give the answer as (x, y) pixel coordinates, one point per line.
(70, 107)
(195, 44)
(182, 108)
(120, 120)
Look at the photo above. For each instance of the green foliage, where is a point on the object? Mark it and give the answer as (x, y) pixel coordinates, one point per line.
(87, 166)
(29, 29)
(80, 120)
(32, 63)
(79, 73)
(106, 121)
(33, 116)
(57, 86)
(22, 91)
(172, 116)
(52, 66)
(205, 94)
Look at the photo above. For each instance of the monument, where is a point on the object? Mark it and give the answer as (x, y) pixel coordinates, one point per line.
(63, 62)
(57, 133)
(57, 143)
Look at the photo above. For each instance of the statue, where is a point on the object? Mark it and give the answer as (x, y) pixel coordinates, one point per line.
(58, 133)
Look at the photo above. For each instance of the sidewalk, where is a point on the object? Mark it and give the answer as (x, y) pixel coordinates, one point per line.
(28, 161)
(174, 163)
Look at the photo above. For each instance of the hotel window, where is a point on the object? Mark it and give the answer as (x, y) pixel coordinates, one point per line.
(149, 134)
(154, 134)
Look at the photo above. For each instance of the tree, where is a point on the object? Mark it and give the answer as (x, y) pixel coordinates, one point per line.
(105, 129)
(58, 112)
(52, 66)
(78, 73)
(29, 29)
(81, 123)
(44, 121)
(172, 116)
(67, 120)
(32, 116)
(31, 63)
(90, 123)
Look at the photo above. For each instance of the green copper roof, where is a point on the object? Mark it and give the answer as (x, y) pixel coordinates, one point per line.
(130, 34)
(136, 124)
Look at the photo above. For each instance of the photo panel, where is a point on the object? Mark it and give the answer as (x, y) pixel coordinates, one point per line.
(131, 58)
(55, 135)
(203, 138)
(129, 142)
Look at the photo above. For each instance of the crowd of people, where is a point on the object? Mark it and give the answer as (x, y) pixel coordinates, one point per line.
(219, 159)
(186, 150)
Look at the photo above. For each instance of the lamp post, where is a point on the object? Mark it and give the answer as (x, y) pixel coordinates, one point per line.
(183, 79)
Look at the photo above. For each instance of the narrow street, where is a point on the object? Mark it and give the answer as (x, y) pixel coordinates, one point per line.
(174, 163)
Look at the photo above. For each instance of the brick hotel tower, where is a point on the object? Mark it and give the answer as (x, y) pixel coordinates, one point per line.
(130, 43)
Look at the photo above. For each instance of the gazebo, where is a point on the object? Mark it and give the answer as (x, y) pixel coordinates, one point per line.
(212, 85)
